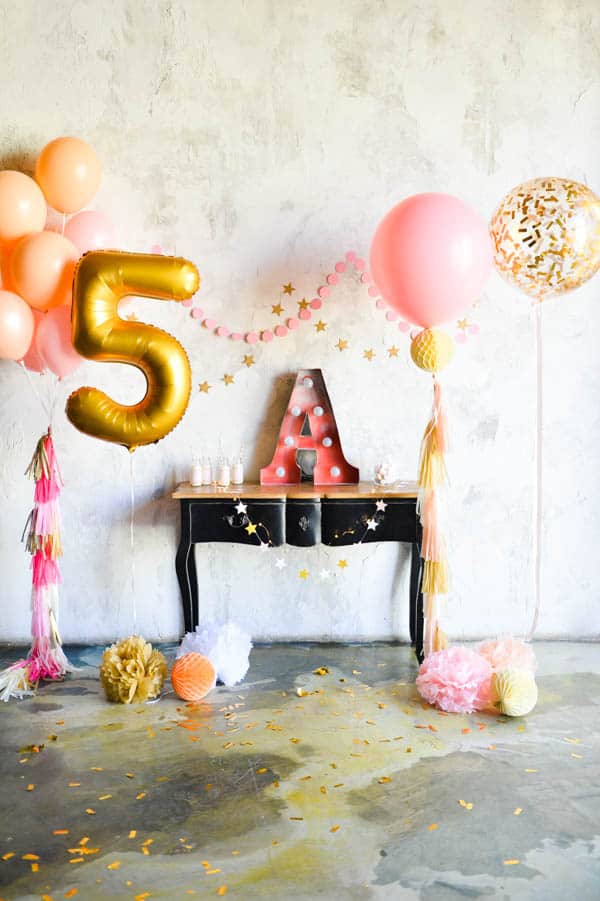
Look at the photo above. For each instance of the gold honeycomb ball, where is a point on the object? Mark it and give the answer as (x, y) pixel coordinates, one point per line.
(514, 692)
(432, 349)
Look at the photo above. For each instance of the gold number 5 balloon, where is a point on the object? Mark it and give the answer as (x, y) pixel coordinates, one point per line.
(101, 280)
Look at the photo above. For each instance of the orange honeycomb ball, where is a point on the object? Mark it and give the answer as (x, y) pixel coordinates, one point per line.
(193, 676)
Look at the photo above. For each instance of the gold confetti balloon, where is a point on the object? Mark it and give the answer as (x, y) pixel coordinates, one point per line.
(514, 692)
(432, 349)
(546, 236)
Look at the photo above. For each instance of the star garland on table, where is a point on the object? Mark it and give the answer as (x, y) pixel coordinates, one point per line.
(240, 519)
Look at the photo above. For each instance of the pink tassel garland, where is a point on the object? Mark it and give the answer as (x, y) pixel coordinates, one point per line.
(46, 658)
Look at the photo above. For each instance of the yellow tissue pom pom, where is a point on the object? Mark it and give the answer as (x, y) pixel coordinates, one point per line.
(132, 671)
(432, 349)
(514, 692)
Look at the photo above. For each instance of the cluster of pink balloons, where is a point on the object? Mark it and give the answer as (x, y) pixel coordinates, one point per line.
(37, 263)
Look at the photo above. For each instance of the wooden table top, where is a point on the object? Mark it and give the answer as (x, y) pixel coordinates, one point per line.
(363, 490)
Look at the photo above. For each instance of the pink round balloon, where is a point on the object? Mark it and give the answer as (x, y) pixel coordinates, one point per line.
(53, 342)
(90, 230)
(16, 326)
(430, 258)
(33, 360)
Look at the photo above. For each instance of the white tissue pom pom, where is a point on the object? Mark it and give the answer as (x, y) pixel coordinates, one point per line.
(226, 646)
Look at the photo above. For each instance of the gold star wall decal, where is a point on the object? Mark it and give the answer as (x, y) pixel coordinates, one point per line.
(303, 304)
(320, 325)
(277, 309)
(248, 360)
(204, 387)
(303, 574)
(392, 351)
(251, 528)
(342, 344)
(228, 379)
(369, 354)
(342, 564)
(288, 289)
(463, 324)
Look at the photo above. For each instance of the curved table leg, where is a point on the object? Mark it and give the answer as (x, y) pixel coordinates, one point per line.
(185, 567)
(416, 601)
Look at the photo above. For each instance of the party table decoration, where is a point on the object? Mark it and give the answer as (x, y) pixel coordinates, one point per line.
(193, 676)
(102, 278)
(546, 236)
(514, 692)
(46, 659)
(225, 645)
(498, 675)
(309, 401)
(132, 671)
(430, 257)
(456, 680)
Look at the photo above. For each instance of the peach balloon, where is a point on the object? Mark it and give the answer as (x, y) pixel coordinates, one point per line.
(53, 342)
(33, 360)
(90, 230)
(193, 676)
(16, 326)
(22, 206)
(41, 268)
(68, 172)
(5, 278)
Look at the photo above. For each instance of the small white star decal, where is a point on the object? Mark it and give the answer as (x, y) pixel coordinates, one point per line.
(280, 563)
(380, 506)
(240, 507)
(325, 574)
(371, 524)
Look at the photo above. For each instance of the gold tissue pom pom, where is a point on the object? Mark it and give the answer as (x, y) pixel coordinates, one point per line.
(132, 671)
(432, 349)
(514, 692)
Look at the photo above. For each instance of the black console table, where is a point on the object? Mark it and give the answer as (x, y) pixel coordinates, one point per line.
(300, 515)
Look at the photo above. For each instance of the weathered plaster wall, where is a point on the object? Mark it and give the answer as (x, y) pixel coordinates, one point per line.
(262, 140)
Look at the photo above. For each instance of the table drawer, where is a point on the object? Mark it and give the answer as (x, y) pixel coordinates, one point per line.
(218, 520)
(346, 521)
(303, 522)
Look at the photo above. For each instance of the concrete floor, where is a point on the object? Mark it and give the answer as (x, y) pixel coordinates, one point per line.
(299, 786)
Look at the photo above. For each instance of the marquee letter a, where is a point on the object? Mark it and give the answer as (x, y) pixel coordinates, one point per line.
(309, 400)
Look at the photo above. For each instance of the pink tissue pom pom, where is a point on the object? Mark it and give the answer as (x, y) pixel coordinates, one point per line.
(456, 680)
(508, 653)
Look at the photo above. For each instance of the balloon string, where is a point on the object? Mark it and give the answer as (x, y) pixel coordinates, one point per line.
(131, 538)
(53, 397)
(38, 396)
(537, 533)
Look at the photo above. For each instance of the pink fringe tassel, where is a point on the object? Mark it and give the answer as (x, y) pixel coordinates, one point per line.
(46, 658)
(45, 571)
